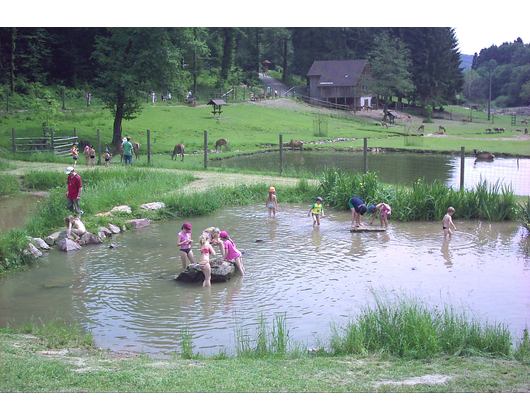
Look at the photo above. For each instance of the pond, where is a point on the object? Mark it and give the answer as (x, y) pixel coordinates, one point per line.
(314, 276)
(395, 168)
(15, 210)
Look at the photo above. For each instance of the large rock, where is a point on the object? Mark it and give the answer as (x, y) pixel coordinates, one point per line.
(104, 232)
(68, 245)
(41, 243)
(88, 238)
(125, 209)
(52, 239)
(34, 251)
(138, 223)
(114, 229)
(222, 271)
(152, 206)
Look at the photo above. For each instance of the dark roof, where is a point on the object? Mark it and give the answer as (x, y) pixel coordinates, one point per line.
(337, 73)
(217, 102)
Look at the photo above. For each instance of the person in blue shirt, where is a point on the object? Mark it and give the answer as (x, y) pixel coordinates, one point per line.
(358, 208)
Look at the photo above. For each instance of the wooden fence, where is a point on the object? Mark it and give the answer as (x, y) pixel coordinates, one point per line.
(58, 145)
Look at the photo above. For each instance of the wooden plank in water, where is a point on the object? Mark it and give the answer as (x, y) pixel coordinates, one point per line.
(365, 228)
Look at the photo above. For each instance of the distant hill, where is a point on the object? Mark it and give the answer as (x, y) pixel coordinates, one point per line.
(467, 60)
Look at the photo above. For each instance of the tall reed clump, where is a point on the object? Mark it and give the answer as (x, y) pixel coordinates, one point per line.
(523, 214)
(266, 341)
(421, 200)
(8, 185)
(407, 327)
(13, 245)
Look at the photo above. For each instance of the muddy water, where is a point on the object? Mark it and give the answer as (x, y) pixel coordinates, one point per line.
(397, 168)
(314, 275)
(14, 210)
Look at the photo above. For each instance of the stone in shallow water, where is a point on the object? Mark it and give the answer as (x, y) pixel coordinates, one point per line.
(222, 271)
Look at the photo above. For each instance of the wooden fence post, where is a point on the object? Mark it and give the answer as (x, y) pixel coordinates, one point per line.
(148, 146)
(51, 140)
(14, 143)
(281, 154)
(365, 155)
(205, 149)
(7, 102)
(462, 166)
(64, 100)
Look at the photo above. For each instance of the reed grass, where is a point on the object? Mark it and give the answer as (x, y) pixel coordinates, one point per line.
(9, 185)
(407, 327)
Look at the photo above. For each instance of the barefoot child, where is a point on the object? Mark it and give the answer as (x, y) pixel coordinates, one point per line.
(74, 227)
(317, 209)
(107, 157)
(272, 203)
(383, 216)
(75, 153)
(204, 262)
(92, 156)
(448, 222)
(184, 242)
(230, 252)
(86, 152)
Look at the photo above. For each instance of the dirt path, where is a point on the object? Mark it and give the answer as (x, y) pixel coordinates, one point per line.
(205, 181)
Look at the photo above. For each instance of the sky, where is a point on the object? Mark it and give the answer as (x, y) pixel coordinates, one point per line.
(475, 25)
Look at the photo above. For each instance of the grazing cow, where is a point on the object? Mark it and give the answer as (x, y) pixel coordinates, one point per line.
(465, 120)
(496, 129)
(501, 130)
(421, 128)
(488, 131)
(525, 122)
(441, 128)
(483, 156)
(220, 143)
(178, 150)
(296, 144)
(384, 124)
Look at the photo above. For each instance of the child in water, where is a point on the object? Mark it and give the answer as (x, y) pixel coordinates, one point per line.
(447, 222)
(383, 216)
(213, 235)
(204, 262)
(272, 203)
(230, 252)
(184, 242)
(317, 209)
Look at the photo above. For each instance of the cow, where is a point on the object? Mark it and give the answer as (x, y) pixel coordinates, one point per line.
(421, 128)
(178, 150)
(441, 128)
(119, 150)
(465, 120)
(220, 143)
(296, 144)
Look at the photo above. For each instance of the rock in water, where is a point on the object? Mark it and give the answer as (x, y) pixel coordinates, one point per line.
(222, 271)
(68, 245)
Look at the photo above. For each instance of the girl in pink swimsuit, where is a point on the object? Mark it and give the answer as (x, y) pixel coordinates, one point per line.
(230, 252)
(204, 262)
(184, 241)
(385, 211)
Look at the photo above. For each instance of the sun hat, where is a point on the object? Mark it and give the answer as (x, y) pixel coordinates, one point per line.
(223, 234)
(69, 169)
(371, 208)
(186, 226)
(272, 189)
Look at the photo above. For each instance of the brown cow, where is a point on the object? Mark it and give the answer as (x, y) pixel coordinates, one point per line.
(441, 128)
(119, 150)
(421, 128)
(296, 144)
(220, 143)
(178, 150)
(465, 120)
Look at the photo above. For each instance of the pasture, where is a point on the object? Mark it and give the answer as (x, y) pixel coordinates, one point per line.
(251, 127)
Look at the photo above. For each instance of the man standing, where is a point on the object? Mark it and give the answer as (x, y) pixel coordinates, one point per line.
(127, 151)
(73, 195)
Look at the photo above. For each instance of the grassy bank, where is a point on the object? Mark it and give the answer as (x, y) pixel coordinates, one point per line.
(364, 357)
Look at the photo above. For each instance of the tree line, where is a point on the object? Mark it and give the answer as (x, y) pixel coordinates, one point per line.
(422, 65)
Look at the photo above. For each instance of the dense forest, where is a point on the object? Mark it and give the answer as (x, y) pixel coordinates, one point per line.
(422, 65)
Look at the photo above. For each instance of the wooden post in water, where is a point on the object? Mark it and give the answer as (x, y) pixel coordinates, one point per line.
(462, 166)
(281, 154)
(99, 147)
(205, 149)
(365, 155)
(148, 146)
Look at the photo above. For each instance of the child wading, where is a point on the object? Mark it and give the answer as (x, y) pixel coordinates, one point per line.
(447, 222)
(272, 203)
(204, 262)
(385, 211)
(230, 252)
(317, 209)
(184, 242)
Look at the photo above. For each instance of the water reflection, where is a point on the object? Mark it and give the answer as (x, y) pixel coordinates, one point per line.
(312, 274)
(397, 168)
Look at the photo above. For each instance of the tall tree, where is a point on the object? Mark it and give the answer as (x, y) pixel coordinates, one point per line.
(389, 61)
(135, 60)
